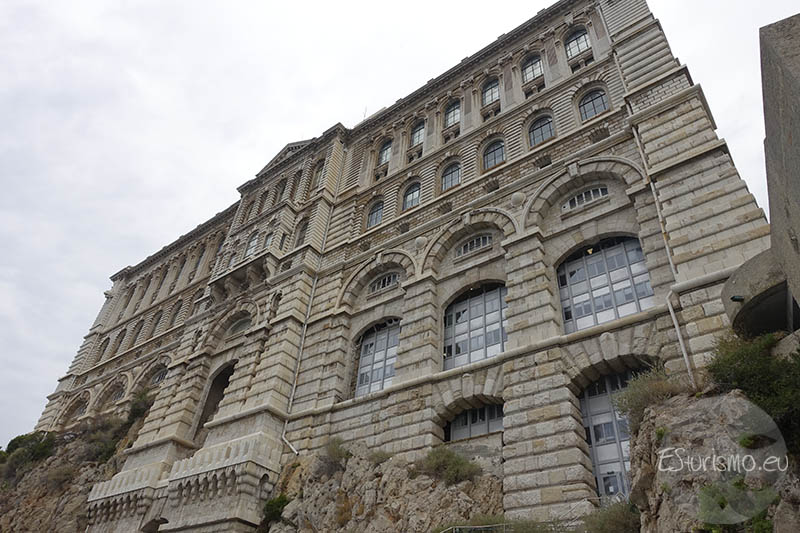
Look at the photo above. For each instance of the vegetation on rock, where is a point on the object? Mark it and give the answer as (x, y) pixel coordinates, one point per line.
(768, 381)
(445, 464)
(645, 389)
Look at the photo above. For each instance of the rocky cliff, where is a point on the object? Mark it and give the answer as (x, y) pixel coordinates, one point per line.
(685, 476)
(361, 494)
(50, 494)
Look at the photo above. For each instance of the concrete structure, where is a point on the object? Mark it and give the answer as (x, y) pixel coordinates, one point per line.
(489, 255)
(762, 295)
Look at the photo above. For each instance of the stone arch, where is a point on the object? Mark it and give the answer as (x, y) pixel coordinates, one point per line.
(578, 174)
(217, 383)
(142, 380)
(383, 261)
(241, 309)
(105, 396)
(631, 348)
(452, 396)
(475, 220)
(85, 398)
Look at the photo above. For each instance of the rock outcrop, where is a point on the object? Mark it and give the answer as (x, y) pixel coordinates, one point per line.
(683, 473)
(51, 495)
(358, 496)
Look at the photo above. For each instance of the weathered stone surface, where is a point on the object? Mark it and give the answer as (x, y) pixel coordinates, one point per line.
(365, 498)
(667, 490)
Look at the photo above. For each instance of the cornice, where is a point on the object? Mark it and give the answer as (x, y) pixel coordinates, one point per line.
(176, 244)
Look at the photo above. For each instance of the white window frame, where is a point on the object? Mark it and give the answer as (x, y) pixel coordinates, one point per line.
(377, 356)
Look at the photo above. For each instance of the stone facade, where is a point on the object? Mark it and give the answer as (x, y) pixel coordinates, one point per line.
(259, 314)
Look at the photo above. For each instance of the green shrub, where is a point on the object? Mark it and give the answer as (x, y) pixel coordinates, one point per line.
(140, 404)
(25, 450)
(378, 457)
(56, 477)
(650, 387)
(769, 382)
(274, 508)
(336, 451)
(443, 463)
(3, 456)
(621, 517)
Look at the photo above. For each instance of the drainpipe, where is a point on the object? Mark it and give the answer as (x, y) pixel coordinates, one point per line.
(308, 315)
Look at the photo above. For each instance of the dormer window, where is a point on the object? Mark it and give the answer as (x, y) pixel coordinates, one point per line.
(577, 43)
(385, 153)
(491, 92)
(384, 282)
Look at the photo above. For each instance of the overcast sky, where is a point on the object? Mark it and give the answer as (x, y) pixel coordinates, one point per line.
(126, 124)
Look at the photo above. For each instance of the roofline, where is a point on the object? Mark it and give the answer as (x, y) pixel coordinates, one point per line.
(177, 243)
(465, 65)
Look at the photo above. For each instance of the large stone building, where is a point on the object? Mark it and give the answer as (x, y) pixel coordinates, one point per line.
(486, 259)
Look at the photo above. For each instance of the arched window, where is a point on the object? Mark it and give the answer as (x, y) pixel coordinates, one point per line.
(117, 394)
(377, 355)
(593, 104)
(196, 301)
(154, 324)
(136, 331)
(118, 342)
(301, 234)
(385, 153)
(474, 243)
(417, 133)
(493, 155)
(268, 240)
(200, 254)
(541, 130)
(604, 282)
(239, 326)
(375, 215)
(316, 177)
(252, 245)
(490, 92)
(246, 213)
(585, 197)
(607, 434)
(452, 114)
(165, 271)
(211, 405)
(180, 269)
(411, 196)
(159, 376)
(176, 311)
(263, 202)
(532, 69)
(383, 282)
(231, 260)
(102, 351)
(279, 190)
(475, 326)
(475, 422)
(577, 43)
(451, 176)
